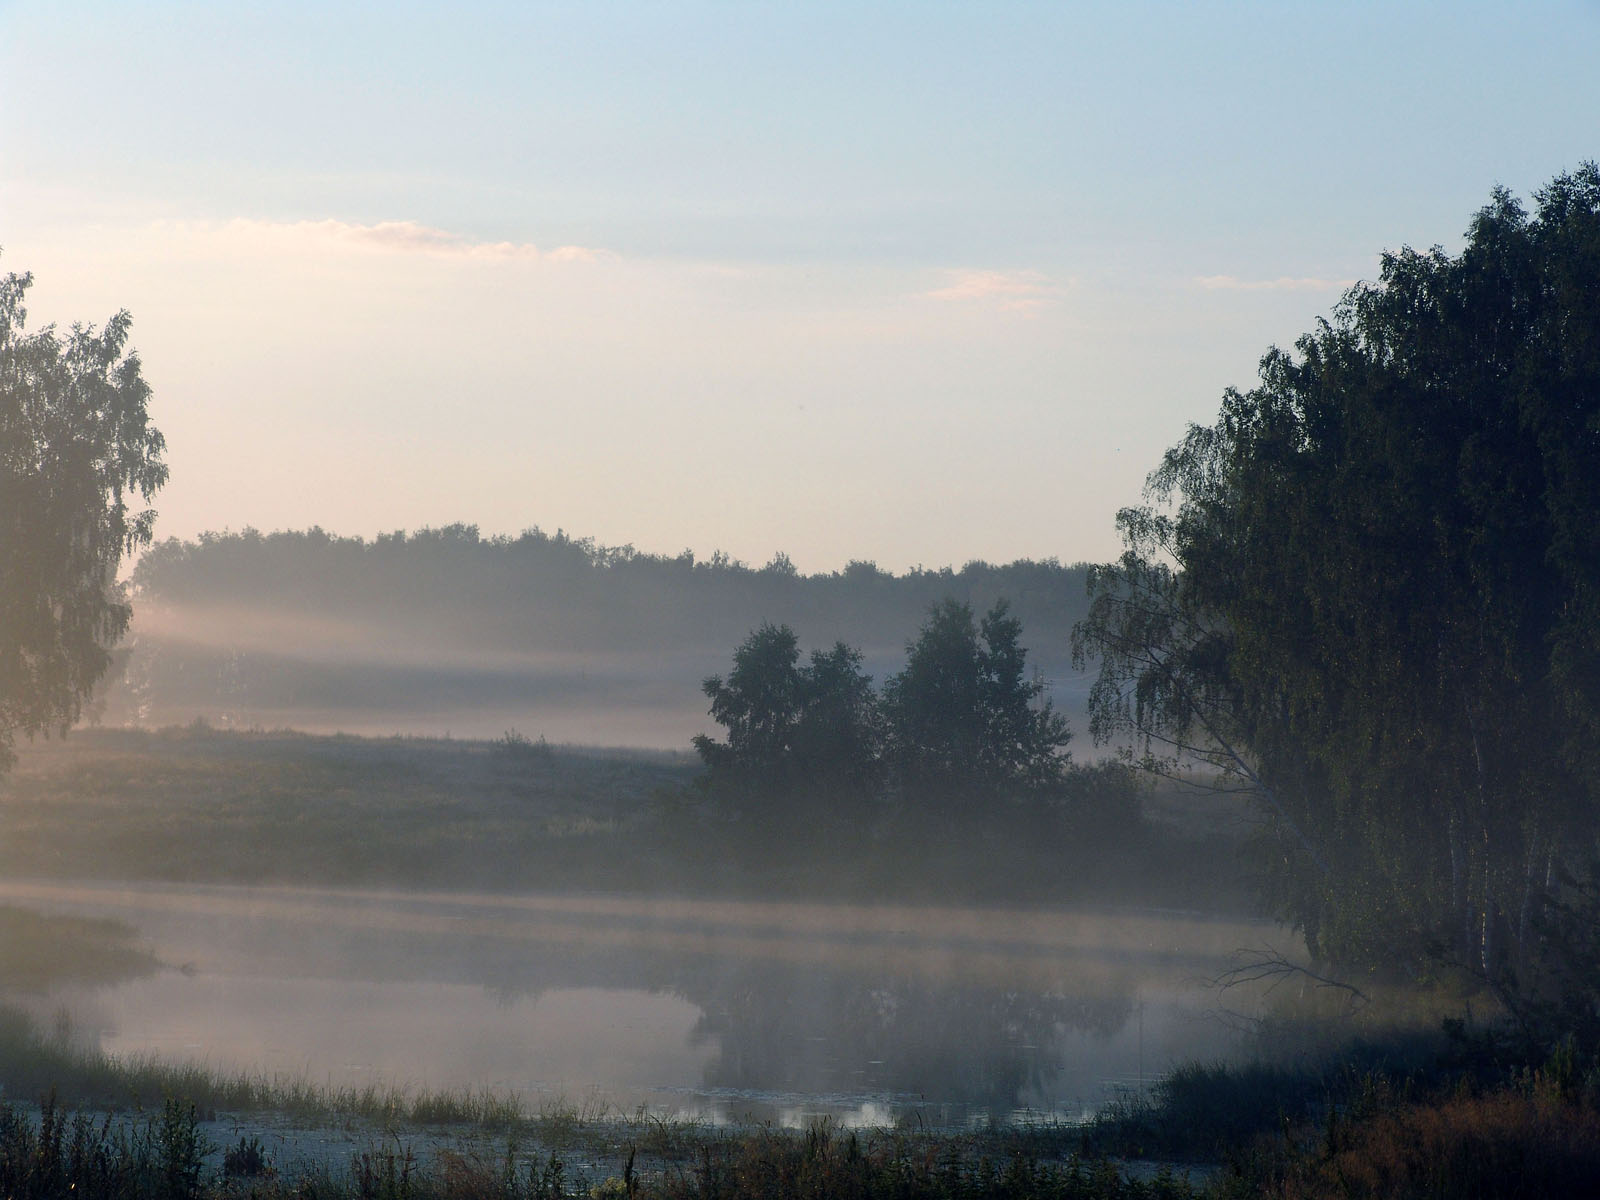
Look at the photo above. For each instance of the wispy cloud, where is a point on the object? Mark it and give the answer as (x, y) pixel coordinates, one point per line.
(1012, 291)
(1284, 283)
(401, 237)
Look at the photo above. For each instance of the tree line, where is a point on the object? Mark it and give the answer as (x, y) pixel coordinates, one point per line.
(264, 627)
(538, 587)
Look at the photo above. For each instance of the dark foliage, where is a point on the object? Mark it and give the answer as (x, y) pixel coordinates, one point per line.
(75, 1157)
(1369, 595)
(966, 723)
(959, 730)
(809, 733)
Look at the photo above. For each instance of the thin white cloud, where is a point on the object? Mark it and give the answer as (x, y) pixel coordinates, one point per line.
(394, 237)
(1284, 283)
(1012, 291)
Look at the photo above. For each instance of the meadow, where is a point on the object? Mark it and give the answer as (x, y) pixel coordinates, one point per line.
(197, 804)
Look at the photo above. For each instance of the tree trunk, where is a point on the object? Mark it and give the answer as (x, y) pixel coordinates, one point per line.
(1460, 878)
(1529, 873)
(1489, 908)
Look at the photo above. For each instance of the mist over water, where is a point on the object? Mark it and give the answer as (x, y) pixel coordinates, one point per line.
(713, 1009)
(716, 1009)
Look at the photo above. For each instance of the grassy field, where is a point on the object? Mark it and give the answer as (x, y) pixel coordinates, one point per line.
(203, 805)
(196, 804)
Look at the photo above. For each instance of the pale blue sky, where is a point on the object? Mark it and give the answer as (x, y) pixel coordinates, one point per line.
(919, 283)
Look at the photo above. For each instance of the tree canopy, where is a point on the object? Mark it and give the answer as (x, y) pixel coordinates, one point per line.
(76, 449)
(965, 719)
(1370, 594)
(962, 725)
(812, 727)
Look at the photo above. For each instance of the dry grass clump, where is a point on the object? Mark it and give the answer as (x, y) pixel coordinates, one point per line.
(1509, 1142)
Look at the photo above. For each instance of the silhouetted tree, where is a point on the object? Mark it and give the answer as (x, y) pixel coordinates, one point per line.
(76, 445)
(759, 705)
(966, 723)
(838, 742)
(809, 734)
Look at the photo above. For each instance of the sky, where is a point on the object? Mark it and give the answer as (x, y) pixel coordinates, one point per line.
(913, 283)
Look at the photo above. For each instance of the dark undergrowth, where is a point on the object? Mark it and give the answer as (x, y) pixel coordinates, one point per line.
(1504, 1142)
(1412, 1118)
(1447, 1127)
(55, 1155)
(1207, 1112)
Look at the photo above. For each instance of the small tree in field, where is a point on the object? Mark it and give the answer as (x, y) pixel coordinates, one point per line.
(966, 721)
(961, 730)
(802, 739)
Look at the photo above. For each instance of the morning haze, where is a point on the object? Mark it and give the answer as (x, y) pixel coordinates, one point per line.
(839, 600)
(447, 630)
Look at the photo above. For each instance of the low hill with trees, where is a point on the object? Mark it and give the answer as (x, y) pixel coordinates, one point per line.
(447, 630)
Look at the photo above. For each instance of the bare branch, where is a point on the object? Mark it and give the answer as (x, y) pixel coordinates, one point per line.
(1266, 964)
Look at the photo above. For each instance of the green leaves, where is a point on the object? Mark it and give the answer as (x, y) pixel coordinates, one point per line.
(76, 446)
(814, 728)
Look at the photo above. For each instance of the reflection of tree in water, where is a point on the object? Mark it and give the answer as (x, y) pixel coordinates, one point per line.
(791, 1029)
(812, 1029)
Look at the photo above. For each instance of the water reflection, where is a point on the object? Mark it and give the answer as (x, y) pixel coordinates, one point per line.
(804, 1032)
(722, 1010)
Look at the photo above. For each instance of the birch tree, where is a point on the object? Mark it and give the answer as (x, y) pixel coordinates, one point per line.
(1368, 592)
(77, 456)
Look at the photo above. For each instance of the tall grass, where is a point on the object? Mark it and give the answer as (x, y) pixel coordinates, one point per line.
(165, 1157)
(71, 1156)
(34, 1064)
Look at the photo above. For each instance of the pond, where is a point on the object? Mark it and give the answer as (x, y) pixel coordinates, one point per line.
(722, 1011)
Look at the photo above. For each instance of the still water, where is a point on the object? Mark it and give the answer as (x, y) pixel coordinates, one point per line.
(724, 1011)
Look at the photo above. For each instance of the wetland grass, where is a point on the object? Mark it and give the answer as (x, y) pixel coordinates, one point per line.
(34, 1063)
(1320, 1128)
(56, 1155)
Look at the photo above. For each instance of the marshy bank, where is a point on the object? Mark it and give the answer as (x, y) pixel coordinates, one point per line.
(1365, 1132)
